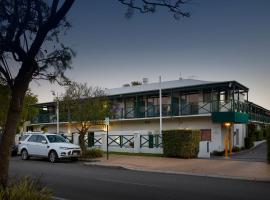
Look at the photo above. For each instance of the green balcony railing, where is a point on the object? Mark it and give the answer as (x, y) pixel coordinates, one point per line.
(185, 108)
(174, 109)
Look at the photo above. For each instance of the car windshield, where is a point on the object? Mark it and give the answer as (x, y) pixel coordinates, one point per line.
(55, 138)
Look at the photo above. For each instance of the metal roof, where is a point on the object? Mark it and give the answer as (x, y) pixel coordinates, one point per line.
(181, 83)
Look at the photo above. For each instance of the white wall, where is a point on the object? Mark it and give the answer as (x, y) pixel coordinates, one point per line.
(204, 148)
(152, 125)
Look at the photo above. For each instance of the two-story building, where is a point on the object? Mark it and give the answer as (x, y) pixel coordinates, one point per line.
(186, 104)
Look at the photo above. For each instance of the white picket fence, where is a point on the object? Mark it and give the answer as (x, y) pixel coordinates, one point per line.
(136, 142)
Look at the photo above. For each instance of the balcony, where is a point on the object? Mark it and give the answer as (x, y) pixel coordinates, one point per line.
(48, 118)
(194, 108)
(170, 110)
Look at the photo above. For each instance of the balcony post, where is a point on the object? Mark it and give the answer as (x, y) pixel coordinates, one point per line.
(136, 107)
(171, 107)
(233, 108)
(211, 104)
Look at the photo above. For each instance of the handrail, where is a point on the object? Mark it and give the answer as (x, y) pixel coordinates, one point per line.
(174, 109)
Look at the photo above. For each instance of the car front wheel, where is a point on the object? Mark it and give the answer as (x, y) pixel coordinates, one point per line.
(53, 157)
(25, 155)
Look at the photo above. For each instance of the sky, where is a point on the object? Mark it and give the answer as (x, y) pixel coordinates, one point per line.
(221, 41)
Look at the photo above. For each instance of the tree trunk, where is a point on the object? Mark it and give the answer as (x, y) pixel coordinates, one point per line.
(82, 141)
(12, 121)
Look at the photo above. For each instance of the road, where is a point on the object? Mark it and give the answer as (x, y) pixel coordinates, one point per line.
(259, 153)
(75, 181)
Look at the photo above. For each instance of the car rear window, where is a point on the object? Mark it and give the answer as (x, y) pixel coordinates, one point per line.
(22, 138)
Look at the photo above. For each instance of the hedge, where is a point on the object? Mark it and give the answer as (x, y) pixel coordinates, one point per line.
(181, 143)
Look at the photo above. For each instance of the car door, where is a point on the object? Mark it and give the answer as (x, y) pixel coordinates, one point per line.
(41, 147)
(31, 144)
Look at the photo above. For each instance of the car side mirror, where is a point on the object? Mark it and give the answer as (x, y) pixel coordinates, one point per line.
(44, 142)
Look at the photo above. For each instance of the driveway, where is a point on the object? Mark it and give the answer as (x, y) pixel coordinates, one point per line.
(257, 154)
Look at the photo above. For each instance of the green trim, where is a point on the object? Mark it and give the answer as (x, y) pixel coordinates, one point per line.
(233, 117)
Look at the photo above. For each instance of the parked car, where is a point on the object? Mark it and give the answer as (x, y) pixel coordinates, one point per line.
(14, 148)
(51, 146)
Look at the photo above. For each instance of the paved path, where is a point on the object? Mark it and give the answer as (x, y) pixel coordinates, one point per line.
(75, 181)
(259, 153)
(205, 167)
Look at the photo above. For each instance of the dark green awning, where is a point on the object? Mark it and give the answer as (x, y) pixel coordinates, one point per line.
(232, 117)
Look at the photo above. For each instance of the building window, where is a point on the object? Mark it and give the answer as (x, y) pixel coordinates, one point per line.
(206, 97)
(205, 134)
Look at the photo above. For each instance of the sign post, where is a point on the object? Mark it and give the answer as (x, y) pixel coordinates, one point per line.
(107, 123)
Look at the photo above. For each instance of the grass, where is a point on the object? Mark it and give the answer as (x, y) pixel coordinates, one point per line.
(25, 189)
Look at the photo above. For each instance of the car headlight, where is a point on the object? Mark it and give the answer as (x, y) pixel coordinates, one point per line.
(63, 148)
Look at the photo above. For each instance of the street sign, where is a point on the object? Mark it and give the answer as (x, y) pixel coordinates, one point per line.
(107, 121)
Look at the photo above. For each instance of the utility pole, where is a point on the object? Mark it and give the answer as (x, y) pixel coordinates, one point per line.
(57, 114)
(160, 106)
(57, 111)
(107, 123)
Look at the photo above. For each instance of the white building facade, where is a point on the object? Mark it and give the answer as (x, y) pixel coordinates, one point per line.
(186, 104)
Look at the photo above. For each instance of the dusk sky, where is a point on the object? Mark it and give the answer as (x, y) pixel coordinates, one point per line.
(222, 40)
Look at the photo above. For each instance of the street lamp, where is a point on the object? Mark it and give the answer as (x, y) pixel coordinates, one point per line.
(57, 111)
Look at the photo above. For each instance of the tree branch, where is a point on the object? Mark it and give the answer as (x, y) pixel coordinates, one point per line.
(6, 76)
(150, 6)
(54, 7)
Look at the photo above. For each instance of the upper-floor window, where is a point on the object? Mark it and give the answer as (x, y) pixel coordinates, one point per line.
(207, 97)
(190, 98)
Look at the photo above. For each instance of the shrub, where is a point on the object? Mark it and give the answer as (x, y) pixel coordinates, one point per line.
(236, 149)
(93, 153)
(249, 142)
(181, 143)
(265, 131)
(25, 189)
(251, 129)
(259, 135)
(218, 153)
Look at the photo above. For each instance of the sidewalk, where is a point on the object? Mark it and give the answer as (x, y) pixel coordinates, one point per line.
(257, 171)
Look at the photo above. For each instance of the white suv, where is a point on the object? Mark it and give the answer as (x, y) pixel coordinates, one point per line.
(47, 145)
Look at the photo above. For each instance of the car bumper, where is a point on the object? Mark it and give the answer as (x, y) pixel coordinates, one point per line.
(69, 154)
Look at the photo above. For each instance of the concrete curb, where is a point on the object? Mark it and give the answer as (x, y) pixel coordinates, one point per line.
(177, 173)
(90, 160)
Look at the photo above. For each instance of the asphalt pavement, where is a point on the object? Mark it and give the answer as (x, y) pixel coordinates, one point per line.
(75, 181)
(256, 154)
